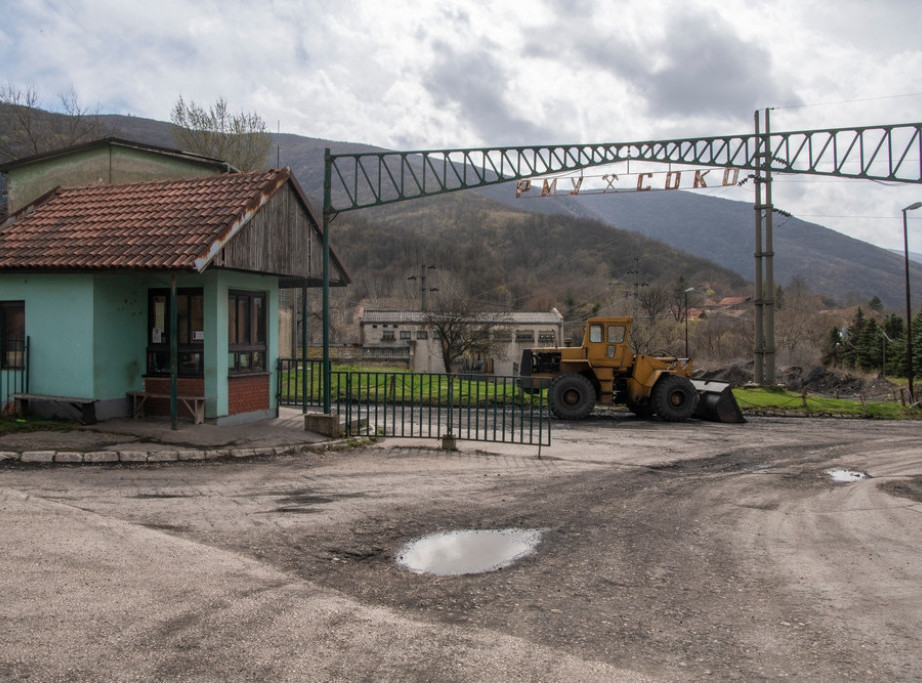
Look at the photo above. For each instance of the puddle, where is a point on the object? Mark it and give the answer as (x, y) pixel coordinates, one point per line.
(454, 553)
(846, 476)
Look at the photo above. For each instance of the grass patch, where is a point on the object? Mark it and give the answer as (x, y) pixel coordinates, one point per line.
(378, 385)
(780, 400)
(11, 425)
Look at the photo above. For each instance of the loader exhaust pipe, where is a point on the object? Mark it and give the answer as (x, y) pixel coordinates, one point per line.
(716, 402)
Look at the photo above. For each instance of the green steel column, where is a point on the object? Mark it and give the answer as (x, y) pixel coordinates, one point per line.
(327, 201)
(768, 325)
(303, 347)
(174, 353)
(759, 341)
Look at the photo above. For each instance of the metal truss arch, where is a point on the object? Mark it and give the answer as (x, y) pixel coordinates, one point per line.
(888, 152)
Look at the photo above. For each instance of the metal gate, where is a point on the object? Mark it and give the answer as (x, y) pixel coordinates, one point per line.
(425, 405)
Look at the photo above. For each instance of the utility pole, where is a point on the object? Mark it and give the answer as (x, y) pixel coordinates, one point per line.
(764, 351)
(422, 286)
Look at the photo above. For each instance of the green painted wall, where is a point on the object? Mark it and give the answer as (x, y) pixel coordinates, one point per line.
(59, 324)
(119, 333)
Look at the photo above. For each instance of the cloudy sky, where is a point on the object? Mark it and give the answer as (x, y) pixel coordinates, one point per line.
(422, 74)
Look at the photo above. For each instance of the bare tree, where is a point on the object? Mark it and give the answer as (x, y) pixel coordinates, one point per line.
(466, 334)
(240, 139)
(27, 129)
(653, 300)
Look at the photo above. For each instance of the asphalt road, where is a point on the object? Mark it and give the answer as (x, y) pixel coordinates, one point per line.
(669, 552)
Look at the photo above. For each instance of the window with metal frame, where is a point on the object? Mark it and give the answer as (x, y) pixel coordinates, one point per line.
(12, 334)
(190, 332)
(246, 337)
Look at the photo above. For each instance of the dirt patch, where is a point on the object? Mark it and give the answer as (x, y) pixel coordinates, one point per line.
(816, 380)
(904, 488)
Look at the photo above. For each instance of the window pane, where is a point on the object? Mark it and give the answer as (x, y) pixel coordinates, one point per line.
(259, 313)
(12, 333)
(189, 329)
(615, 334)
(182, 318)
(246, 331)
(158, 320)
(197, 316)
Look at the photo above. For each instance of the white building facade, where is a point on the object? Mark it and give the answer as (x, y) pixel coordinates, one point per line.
(510, 333)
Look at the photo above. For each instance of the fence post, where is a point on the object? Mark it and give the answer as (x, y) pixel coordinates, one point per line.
(448, 440)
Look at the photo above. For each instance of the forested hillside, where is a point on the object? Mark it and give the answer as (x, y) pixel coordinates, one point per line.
(509, 258)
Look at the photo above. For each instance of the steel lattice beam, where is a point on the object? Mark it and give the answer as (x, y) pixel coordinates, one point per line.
(888, 152)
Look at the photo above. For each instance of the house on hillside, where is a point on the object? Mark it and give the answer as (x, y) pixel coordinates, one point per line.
(415, 335)
(101, 285)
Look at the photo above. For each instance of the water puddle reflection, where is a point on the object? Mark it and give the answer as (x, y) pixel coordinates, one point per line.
(846, 476)
(453, 553)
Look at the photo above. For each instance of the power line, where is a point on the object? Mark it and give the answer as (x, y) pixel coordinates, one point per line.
(855, 101)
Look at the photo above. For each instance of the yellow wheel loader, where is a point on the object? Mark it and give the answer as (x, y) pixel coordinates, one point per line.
(605, 370)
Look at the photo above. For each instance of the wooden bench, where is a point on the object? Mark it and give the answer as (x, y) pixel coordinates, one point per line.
(84, 407)
(194, 404)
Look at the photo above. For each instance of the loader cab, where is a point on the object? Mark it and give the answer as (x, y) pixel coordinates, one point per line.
(606, 341)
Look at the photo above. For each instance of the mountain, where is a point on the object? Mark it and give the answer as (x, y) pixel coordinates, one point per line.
(833, 264)
(718, 230)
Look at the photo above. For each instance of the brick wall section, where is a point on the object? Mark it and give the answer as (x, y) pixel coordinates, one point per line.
(247, 393)
(185, 386)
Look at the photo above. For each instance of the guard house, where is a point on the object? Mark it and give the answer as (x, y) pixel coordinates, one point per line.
(96, 281)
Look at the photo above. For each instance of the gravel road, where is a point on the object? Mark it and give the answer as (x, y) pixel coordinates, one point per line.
(668, 552)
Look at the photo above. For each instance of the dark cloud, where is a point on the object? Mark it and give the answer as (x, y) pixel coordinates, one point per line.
(698, 67)
(708, 70)
(473, 83)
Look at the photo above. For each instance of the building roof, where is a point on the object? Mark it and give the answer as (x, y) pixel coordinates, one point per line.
(156, 225)
(190, 157)
(375, 317)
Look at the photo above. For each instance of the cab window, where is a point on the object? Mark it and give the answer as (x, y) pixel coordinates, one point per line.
(595, 333)
(615, 334)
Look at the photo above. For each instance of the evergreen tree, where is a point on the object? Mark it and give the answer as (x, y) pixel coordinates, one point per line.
(895, 330)
(848, 356)
(868, 346)
(917, 345)
(832, 346)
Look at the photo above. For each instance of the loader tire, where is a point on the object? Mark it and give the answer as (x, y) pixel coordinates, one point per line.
(572, 397)
(674, 398)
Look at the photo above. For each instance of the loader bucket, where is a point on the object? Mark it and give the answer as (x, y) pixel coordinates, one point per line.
(716, 402)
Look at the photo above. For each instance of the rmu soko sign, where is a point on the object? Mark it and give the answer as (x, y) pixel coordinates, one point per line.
(611, 183)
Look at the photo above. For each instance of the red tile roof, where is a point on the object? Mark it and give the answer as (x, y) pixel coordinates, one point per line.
(164, 224)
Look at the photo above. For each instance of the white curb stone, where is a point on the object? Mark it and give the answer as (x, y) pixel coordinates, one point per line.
(100, 456)
(162, 456)
(37, 456)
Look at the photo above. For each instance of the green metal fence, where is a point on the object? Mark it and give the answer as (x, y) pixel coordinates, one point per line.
(423, 405)
(14, 369)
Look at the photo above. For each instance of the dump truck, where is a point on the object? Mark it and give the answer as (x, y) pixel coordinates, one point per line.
(604, 370)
